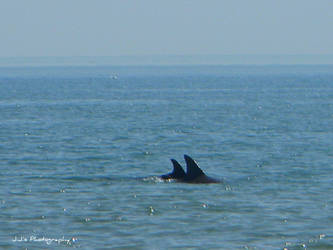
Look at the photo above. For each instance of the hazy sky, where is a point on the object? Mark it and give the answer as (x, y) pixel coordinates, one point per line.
(156, 27)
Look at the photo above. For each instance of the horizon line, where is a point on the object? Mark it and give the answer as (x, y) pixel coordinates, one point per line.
(164, 60)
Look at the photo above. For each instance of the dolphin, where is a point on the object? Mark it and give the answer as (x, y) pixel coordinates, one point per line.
(193, 173)
(178, 173)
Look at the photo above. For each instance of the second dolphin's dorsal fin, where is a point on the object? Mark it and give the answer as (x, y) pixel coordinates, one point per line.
(193, 170)
(178, 171)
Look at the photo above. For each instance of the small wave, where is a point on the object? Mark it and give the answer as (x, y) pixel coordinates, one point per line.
(153, 179)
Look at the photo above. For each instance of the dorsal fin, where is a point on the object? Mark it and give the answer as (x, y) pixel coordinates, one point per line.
(178, 171)
(193, 170)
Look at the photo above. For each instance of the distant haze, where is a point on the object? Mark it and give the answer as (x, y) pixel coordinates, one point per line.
(104, 28)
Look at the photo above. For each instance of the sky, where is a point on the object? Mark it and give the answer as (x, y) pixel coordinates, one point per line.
(35, 28)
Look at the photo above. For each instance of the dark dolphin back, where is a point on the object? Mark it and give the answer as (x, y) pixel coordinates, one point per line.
(177, 173)
(192, 169)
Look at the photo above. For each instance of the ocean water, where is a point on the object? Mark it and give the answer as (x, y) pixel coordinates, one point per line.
(80, 149)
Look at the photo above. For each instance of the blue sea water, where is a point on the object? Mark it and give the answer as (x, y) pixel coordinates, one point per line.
(80, 149)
